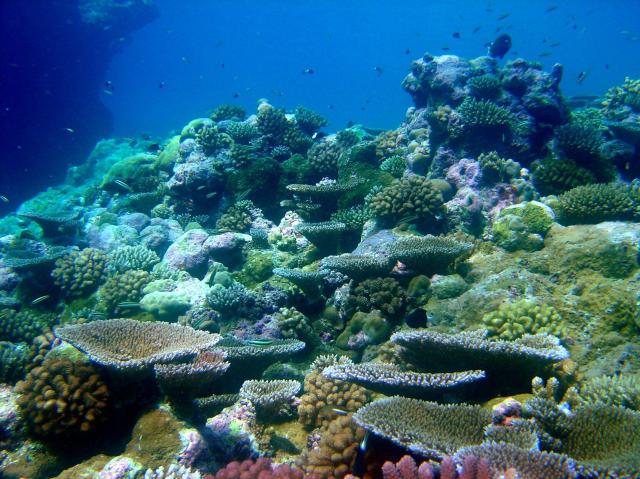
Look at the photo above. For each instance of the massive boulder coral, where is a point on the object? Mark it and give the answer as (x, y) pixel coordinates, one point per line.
(63, 398)
(322, 395)
(80, 272)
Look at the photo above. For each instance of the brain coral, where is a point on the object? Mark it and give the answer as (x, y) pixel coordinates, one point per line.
(63, 398)
(411, 198)
(80, 272)
(513, 320)
(322, 395)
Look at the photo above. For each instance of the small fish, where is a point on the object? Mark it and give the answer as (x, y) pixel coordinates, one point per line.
(446, 48)
(210, 195)
(108, 87)
(4, 199)
(331, 107)
(339, 412)
(476, 30)
(314, 136)
(128, 305)
(259, 342)
(378, 70)
(544, 54)
(551, 8)
(222, 65)
(122, 184)
(308, 71)
(201, 187)
(184, 60)
(161, 84)
(40, 299)
(500, 46)
(407, 51)
(236, 95)
(606, 66)
(582, 76)
(70, 130)
(503, 16)
(365, 442)
(554, 44)
(455, 34)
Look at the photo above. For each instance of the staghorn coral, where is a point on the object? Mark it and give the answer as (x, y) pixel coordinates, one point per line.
(426, 428)
(23, 325)
(133, 257)
(357, 266)
(13, 361)
(323, 156)
(336, 451)
(322, 395)
(228, 111)
(591, 204)
(504, 459)
(382, 294)
(80, 272)
(129, 345)
(186, 380)
(553, 175)
(513, 320)
(353, 218)
(390, 379)
(428, 254)
(123, 288)
(63, 398)
(414, 198)
(308, 120)
(622, 390)
(484, 87)
(271, 398)
(484, 116)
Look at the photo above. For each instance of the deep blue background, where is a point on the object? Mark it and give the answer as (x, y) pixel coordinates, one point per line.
(264, 47)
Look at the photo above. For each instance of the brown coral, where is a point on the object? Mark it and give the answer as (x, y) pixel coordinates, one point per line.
(63, 398)
(323, 395)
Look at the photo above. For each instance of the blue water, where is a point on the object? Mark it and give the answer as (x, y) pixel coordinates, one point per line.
(53, 69)
(264, 46)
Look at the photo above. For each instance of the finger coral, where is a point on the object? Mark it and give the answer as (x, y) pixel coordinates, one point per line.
(133, 257)
(513, 320)
(123, 288)
(80, 272)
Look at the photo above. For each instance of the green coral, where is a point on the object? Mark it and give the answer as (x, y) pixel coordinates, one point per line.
(308, 120)
(238, 217)
(522, 226)
(513, 320)
(382, 294)
(297, 140)
(272, 122)
(13, 361)
(295, 325)
(620, 97)
(486, 87)
(137, 173)
(228, 112)
(23, 325)
(553, 175)
(429, 254)
(123, 288)
(484, 115)
(353, 218)
(126, 258)
(590, 204)
(411, 199)
(80, 272)
(495, 168)
(242, 133)
(211, 139)
(581, 141)
(323, 156)
(394, 165)
(364, 329)
(622, 390)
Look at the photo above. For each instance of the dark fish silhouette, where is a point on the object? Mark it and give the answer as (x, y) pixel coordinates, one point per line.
(582, 76)
(551, 8)
(308, 71)
(500, 46)
(503, 16)
(455, 34)
(407, 51)
(236, 95)
(475, 30)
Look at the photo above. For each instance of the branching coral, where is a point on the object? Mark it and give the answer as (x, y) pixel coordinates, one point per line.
(383, 294)
(238, 217)
(228, 112)
(426, 428)
(554, 176)
(414, 198)
(322, 395)
(485, 116)
(23, 325)
(324, 235)
(486, 87)
(126, 344)
(13, 360)
(622, 390)
(323, 156)
(308, 120)
(513, 320)
(186, 380)
(596, 203)
(63, 398)
(80, 272)
(133, 257)
(271, 398)
(429, 254)
(272, 122)
(357, 266)
(211, 139)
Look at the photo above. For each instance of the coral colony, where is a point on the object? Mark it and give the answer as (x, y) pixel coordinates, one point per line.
(455, 298)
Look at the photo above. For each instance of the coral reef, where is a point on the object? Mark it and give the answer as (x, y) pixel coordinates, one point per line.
(80, 272)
